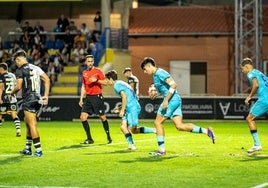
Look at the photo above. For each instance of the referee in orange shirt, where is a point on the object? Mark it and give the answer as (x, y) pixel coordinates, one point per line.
(91, 99)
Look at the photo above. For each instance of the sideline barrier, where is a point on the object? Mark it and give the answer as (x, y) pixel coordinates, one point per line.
(64, 108)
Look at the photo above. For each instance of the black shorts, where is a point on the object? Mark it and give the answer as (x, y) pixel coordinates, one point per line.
(32, 103)
(6, 108)
(94, 104)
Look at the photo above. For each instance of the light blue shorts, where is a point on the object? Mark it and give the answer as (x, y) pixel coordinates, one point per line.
(173, 109)
(259, 108)
(132, 117)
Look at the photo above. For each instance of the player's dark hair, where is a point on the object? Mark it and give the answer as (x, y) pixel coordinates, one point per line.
(111, 74)
(4, 66)
(246, 61)
(19, 53)
(147, 60)
(89, 56)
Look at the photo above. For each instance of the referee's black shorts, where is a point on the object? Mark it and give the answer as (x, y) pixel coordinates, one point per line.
(94, 104)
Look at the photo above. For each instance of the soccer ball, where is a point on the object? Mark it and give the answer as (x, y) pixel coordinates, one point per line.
(152, 92)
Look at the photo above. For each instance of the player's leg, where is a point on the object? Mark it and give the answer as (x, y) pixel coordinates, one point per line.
(106, 128)
(190, 127)
(257, 110)
(127, 133)
(254, 133)
(83, 118)
(133, 122)
(30, 119)
(16, 121)
(28, 147)
(160, 135)
(99, 108)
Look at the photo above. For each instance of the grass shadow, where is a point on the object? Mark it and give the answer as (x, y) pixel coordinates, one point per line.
(111, 152)
(10, 160)
(149, 159)
(78, 146)
(256, 157)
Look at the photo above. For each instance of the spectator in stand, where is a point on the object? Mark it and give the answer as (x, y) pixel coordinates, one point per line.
(35, 50)
(51, 72)
(27, 27)
(38, 39)
(86, 32)
(95, 37)
(38, 28)
(80, 38)
(91, 49)
(78, 53)
(25, 41)
(97, 22)
(43, 49)
(62, 23)
(65, 54)
(69, 41)
(72, 27)
(14, 47)
(36, 60)
(58, 62)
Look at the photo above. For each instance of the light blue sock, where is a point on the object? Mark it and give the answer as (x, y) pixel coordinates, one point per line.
(161, 142)
(255, 137)
(129, 138)
(198, 129)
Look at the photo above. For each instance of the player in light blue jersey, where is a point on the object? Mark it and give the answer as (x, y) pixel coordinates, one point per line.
(170, 107)
(129, 110)
(259, 86)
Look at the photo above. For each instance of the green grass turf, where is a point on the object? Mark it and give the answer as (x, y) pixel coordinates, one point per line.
(191, 160)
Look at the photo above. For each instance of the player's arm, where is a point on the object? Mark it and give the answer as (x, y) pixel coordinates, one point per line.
(124, 103)
(46, 82)
(82, 95)
(255, 86)
(17, 87)
(172, 89)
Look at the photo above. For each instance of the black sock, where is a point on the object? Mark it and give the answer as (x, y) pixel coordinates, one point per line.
(37, 144)
(106, 129)
(17, 122)
(29, 142)
(87, 130)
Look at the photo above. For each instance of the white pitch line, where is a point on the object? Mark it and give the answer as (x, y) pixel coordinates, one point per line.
(261, 185)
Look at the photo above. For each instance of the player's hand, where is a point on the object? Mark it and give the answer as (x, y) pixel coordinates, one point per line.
(247, 100)
(45, 100)
(93, 79)
(1, 101)
(80, 103)
(116, 110)
(121, 113)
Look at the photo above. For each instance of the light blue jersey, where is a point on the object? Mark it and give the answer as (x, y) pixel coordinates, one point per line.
(133, 108)
(174, 104)
(261, 106)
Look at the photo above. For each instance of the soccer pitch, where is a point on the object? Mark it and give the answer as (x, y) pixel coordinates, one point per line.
(191, 160)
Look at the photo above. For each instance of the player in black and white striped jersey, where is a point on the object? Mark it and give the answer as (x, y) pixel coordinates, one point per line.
(7, 84)
(29, 79)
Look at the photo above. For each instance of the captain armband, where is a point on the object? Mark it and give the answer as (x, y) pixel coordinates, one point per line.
(171, 90)
(171, 82)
